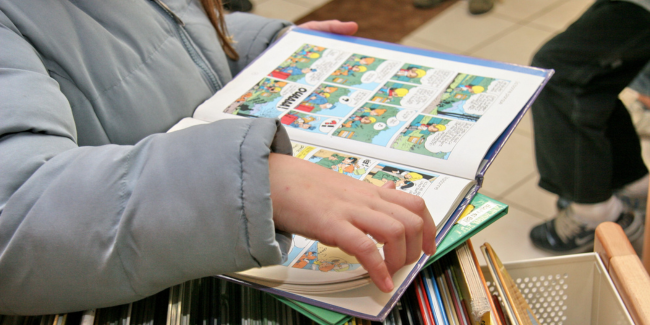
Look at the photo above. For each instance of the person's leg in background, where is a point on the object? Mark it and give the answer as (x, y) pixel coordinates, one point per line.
(585, 143)
(238, 5)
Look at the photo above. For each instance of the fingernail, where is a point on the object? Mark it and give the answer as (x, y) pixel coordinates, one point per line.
(389, 283)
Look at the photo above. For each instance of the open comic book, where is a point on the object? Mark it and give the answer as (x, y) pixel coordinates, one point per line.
(428, 121)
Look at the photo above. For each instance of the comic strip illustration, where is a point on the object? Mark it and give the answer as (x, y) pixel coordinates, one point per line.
(309, 122)
(404, 95)
(301, 150)
(374, 123)
(422, 75)
(268, 98)
(346, 164)
(309, 65)
(409, 181)
(431, 136)
(332, 100)
(364, 72)
(311, 255)
(468, 97)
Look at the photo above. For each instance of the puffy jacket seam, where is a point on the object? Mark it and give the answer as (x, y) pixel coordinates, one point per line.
(124, 195)
(254, 42)
(52, 72)
(244, 216)
(144, 62)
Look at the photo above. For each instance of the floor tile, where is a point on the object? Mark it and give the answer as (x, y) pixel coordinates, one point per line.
(312, 4)
(457, 29)
(517, 46)
(281, 9)
(522, 10)
(514, 163)
(509, 237)
(529, 197)
(414, 41)
(563, 15)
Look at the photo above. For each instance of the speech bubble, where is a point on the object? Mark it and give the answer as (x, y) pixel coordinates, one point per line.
(301, 242)
(420, 186)
(313, 78)
(387, 69)
(497, 86)
(392, 122)
(368, 77)
(445, 141)
(405, 114)
(436, 78)
(328, 125)
(379, 126)
(478, 104)
(357, 97)
(417, 97)
(290, 89)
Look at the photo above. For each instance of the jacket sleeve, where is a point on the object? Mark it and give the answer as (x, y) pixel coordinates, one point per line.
(89, 227)
(252, 35)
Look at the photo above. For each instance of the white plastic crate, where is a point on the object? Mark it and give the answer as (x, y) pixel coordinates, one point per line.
(567, 290)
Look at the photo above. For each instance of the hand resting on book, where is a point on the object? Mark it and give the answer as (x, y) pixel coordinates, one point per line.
(338, 210)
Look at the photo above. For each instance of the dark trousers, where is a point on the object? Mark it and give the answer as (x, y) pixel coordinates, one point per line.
(585, 143)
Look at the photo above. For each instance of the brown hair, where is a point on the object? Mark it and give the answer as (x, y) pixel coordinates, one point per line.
(214, 10)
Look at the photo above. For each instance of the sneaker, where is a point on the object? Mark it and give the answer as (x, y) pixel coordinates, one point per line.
(477, 7)
(426, 3)
(238, 5)
(563, 234)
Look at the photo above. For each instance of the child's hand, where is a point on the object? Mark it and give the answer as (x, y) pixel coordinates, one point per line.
(339, 211)
(332, 26)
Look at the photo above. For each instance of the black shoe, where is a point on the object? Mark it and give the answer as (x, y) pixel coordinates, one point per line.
(477, 7)
(423, 4)
(563, 234)
(238, 5)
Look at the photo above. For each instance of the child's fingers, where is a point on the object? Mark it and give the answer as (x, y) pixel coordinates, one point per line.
(416, 205)
(389, 185)
(392, 233)
(332, 26)
(355, 242)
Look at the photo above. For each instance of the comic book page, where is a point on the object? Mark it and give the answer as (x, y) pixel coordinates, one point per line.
(417, 108)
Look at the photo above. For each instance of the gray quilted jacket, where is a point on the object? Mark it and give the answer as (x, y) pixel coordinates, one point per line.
(98, 206)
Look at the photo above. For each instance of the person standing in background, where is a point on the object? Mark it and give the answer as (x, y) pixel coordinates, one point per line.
(586, 147)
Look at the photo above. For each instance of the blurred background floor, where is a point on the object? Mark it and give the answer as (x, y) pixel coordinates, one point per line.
(511, 32)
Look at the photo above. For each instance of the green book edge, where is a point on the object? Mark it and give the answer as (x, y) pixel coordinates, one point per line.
(456, 236)
(319, 315)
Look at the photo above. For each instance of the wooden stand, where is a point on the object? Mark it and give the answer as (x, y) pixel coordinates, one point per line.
(625, 268)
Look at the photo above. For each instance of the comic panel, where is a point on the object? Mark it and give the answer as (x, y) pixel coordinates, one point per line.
(268, 98)
(374, 123)
(468, 97)
(406, 180)
(426, 76)
(301, 150)
(332, 100)
(350, 165)
(365, 72)
(404, 95)
(309, 65)
(308, 122)
(311, 255)
(431, 136)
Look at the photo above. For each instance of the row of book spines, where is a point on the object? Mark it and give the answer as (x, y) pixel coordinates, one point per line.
(435, 297)
(443, 300)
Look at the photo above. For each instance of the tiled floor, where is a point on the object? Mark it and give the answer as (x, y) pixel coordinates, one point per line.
(512, 32)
